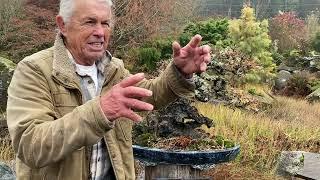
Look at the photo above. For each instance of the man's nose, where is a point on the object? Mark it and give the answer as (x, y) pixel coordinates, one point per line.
(99, 31)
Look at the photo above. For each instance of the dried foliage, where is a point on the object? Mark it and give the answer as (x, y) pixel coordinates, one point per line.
(313, 24)
(137, 21)
(289, 125)
(289, 30)
(298, 86)
(8, 10)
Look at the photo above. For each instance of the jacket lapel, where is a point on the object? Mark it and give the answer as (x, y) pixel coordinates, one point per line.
(63, 68)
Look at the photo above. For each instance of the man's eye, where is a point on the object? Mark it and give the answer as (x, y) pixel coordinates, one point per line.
(105, 24)
(90, 22)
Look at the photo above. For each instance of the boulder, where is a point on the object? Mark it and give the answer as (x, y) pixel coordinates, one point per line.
(282, 79)
(285, 68)
(301, 164)
(211, 85)
(314, 96)
(314, 64)
(6, 71)
(6, 173)
(290, 163)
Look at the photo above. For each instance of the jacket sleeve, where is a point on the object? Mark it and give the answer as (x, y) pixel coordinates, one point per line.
(40, 138)
(168, 86)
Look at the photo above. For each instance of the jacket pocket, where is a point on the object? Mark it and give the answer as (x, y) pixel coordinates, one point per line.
(64, 103)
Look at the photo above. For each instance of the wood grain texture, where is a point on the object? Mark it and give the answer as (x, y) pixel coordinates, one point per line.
(172, 172)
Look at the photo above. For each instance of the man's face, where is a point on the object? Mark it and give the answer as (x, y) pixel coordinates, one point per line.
(88, 31)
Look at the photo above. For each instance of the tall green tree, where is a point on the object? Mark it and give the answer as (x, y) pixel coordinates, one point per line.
(251, 36)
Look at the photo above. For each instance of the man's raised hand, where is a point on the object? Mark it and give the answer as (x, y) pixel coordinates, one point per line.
(123, 98)
(192, 58)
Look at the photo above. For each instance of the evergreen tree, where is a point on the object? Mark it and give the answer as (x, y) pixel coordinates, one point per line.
(251, 37)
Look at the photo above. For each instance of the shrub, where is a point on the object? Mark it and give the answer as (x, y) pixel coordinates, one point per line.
(148, 57)
(139, 21)
(298, 85)
(251, 37)
(315, 84)
(277, 58)
(289, 30)
(213, 31)
(163, 45)
(316, 42)
(8, 10)
(313, 25)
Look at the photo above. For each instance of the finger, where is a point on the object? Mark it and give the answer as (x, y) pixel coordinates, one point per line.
(203, 67)
(176, 49)
(132, 80)
(133, 91)
(138, 105)
(205, 49)
(207, 58)
(133, 116)
(195, 41)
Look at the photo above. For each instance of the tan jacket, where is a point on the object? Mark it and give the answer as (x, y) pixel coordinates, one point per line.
(50, 126)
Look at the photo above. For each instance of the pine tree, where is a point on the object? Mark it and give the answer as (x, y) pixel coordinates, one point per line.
(251, 37)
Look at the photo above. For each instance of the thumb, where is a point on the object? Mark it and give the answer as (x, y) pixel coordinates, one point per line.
(176, 49)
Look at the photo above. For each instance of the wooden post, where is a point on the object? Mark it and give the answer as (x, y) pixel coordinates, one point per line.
(169, 171)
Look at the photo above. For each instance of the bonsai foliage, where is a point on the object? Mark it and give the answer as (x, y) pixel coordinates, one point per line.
(213, 31)
(251, 37)
(289, 30)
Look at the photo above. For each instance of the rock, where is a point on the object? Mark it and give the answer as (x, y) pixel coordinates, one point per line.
(285, 68)
(6, 71)
(314, 64)
(211, 85)
(177, 119)
(282, 79)
(6, 173)
(314, 97)
(290, 163)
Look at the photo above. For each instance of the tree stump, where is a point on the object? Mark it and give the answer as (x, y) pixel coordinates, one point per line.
(172, 172)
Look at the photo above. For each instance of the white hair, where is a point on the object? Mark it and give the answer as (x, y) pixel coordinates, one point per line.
(67, 8)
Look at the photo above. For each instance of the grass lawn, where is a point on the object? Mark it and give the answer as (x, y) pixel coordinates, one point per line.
(289, 125)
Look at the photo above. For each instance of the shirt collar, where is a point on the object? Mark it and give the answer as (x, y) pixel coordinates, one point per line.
(101, 64)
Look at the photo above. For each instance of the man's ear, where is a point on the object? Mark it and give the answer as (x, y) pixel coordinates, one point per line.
(61, 24)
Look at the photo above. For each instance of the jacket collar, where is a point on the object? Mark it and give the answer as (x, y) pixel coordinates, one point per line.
(64, 68)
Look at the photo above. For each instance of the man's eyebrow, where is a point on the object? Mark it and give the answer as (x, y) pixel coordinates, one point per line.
(92, 18)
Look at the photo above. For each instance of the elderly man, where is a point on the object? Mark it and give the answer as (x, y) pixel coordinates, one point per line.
(71, 107)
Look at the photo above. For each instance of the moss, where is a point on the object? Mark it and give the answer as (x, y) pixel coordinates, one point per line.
(6, 64)
(145, 139)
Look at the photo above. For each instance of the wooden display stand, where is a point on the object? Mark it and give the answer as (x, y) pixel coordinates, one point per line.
(172, 172)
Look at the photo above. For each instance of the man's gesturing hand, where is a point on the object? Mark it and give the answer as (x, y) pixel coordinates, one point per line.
(191, 58)
(122, 99)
